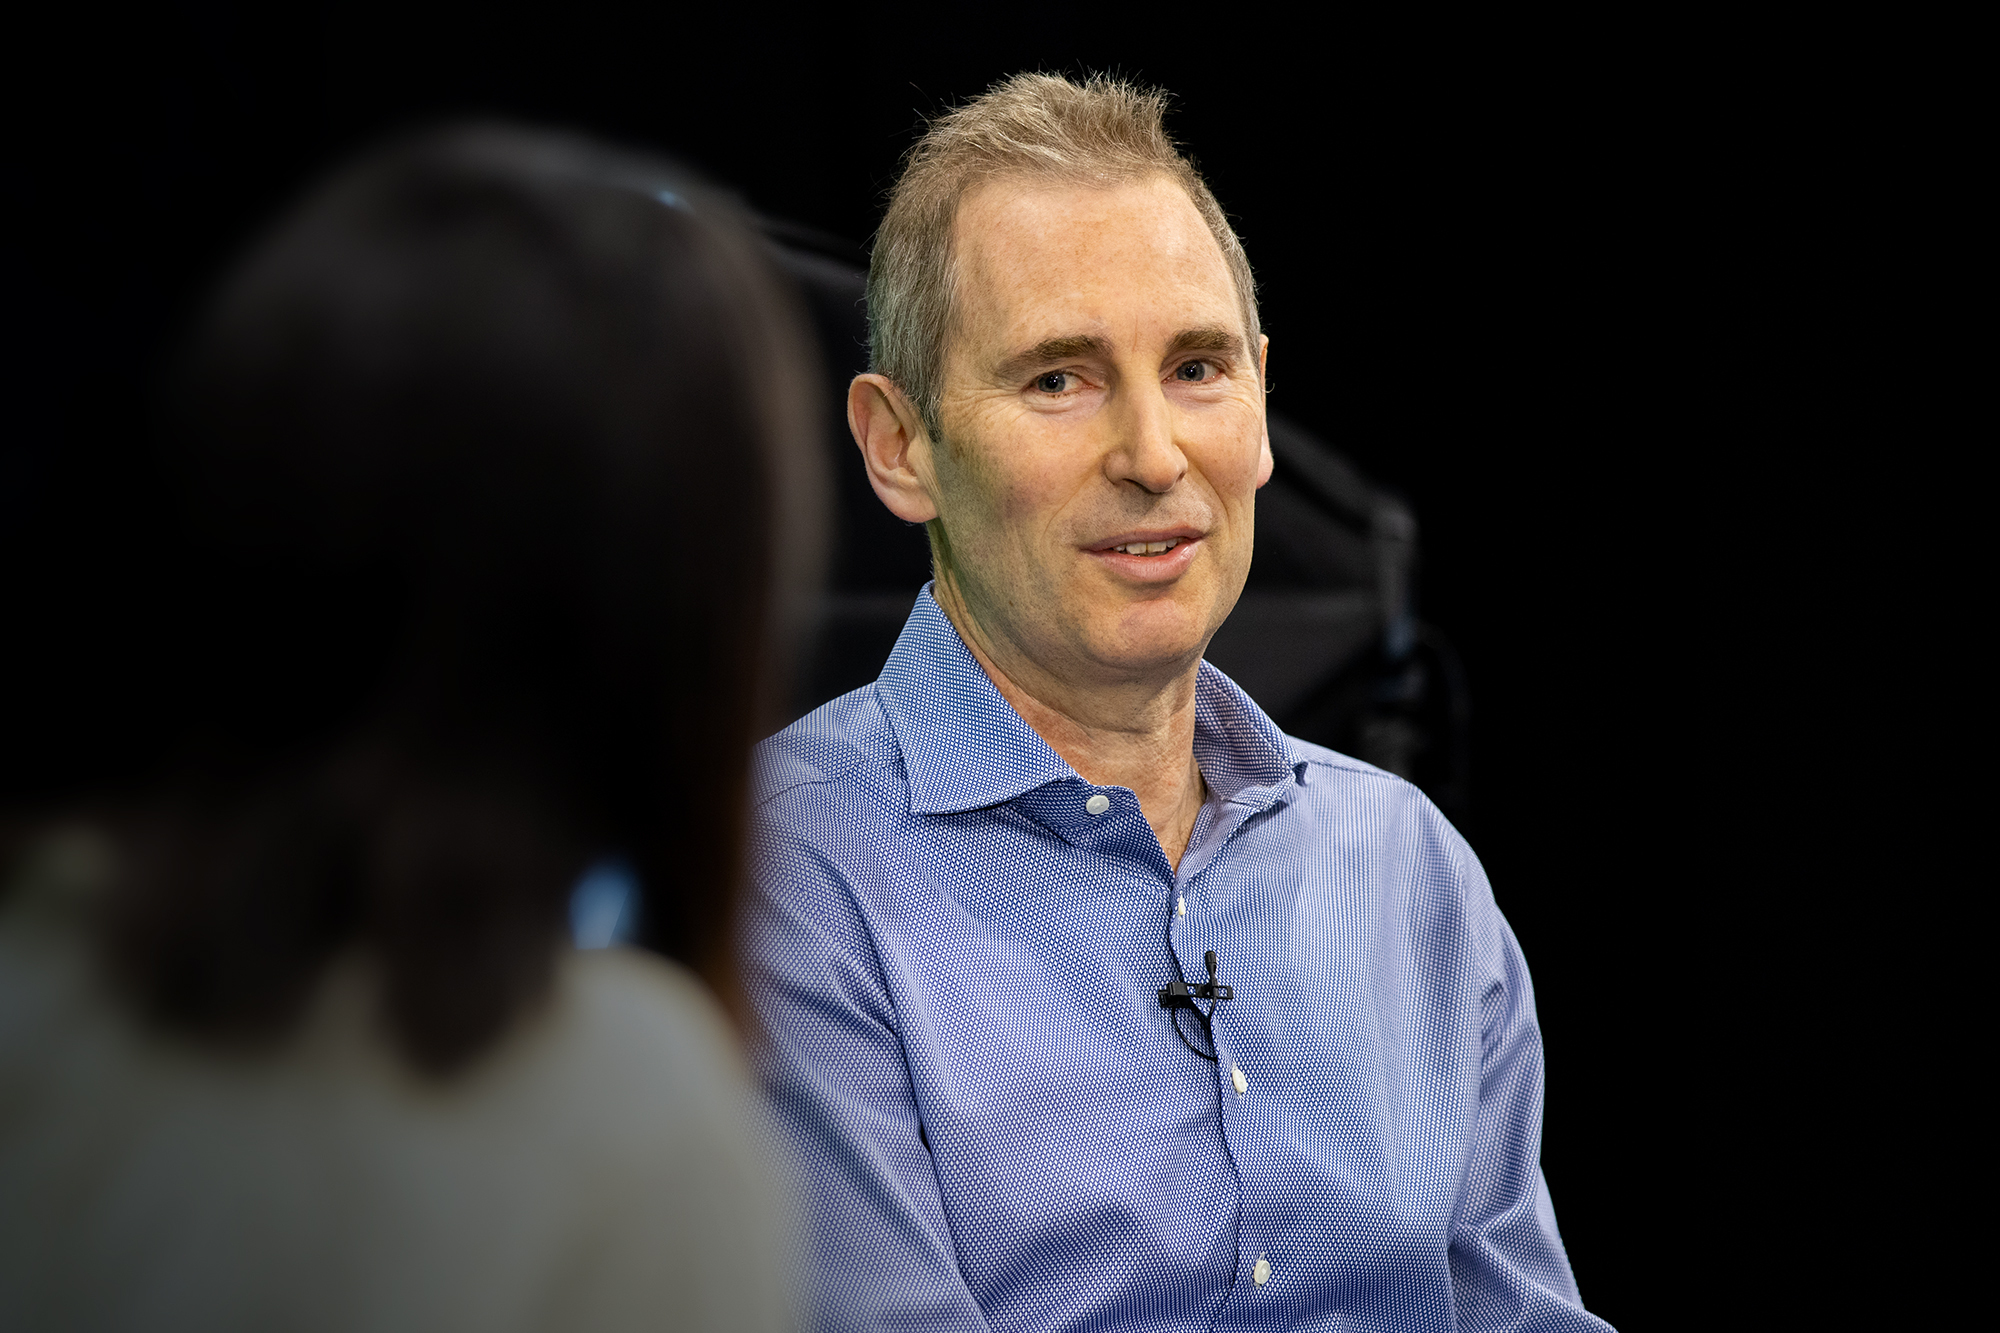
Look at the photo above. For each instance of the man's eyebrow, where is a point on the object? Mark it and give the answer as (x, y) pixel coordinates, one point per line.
(1210, 338)
(1207, 338)
(1052, 349)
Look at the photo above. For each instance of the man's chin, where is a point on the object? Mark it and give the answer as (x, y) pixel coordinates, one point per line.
(1160, 637)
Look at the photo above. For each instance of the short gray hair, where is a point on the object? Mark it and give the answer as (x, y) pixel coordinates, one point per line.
(1103, 131)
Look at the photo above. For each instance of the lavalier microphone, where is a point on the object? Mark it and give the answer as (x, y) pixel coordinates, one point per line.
(1177, 993)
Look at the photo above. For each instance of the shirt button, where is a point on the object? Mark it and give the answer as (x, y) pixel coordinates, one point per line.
(1098, 804)
(1242, 1086)
(1262, 1272)
(1180, 907)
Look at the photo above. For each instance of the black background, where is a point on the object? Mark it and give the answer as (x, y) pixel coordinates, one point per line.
(1552, 284)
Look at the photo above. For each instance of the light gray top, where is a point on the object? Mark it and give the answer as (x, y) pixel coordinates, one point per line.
(600, 1169)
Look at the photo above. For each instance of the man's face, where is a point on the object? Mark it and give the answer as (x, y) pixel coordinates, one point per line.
(1103, 422)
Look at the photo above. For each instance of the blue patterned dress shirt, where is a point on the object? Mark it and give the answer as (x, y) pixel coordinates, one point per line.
(957, 950)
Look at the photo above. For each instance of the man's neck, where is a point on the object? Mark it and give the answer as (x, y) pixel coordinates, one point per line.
(1134, 735)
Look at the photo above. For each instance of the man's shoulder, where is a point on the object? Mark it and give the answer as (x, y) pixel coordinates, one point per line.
(1348, 788)
(1329, 775)
(1318, 757)
(845, 742)
(1389, 816)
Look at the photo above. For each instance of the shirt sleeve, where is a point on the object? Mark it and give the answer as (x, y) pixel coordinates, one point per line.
(1508, 1268)
(880, 1253)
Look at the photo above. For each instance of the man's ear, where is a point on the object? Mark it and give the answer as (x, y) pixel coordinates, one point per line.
(1265, 463)
(895, 448)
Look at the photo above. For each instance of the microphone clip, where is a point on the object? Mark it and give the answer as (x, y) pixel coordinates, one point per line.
(1178, 994)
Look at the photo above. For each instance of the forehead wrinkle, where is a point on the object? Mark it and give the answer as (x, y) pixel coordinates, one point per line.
(974, 253)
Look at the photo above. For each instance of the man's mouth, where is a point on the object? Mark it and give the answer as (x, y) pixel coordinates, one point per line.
(1163, 554)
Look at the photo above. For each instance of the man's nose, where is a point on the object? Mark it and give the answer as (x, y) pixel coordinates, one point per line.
(1144, 451)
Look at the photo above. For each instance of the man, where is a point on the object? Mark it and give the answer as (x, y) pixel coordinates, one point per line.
(1093, 1000)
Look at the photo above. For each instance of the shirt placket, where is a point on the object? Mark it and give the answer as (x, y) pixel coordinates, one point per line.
(1193, 933)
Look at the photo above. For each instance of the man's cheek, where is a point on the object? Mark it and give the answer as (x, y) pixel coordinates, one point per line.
(1030, 485)
(1232, 468)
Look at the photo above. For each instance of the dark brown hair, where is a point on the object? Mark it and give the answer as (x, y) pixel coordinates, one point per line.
(494, 492)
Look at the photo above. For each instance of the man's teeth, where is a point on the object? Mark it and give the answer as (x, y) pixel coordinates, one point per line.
(1148, 548)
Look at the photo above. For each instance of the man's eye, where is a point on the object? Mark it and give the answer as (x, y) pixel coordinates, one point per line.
(1054, 382)
(1194, 372)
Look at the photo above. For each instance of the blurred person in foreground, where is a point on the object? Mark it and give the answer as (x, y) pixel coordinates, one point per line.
(489, 502)
(1097, 1002)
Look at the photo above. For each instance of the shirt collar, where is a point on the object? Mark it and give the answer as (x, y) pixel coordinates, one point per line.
(964, 747)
